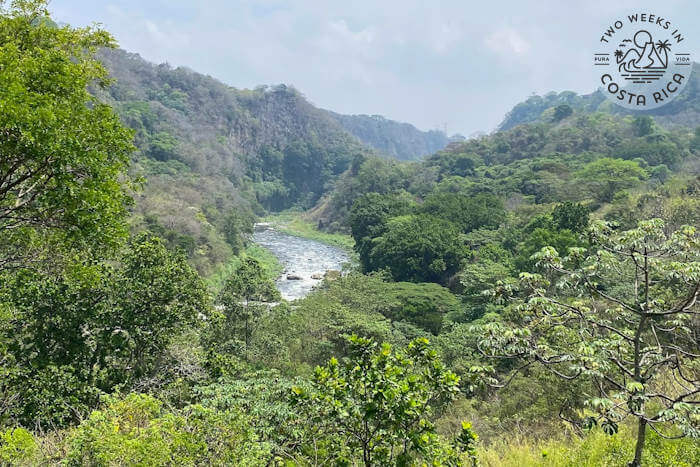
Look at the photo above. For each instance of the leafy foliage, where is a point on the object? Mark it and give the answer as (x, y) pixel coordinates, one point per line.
(626, 323)
(92, 328)
(240, 300)
(418, 248)
(376, 405)
(137, 430)
(62, 151)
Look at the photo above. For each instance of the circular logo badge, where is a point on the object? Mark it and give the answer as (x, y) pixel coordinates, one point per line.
(641, 61)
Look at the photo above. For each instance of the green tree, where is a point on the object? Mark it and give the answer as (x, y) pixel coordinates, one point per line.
(424, 305)
(163, 146)
(241, 294)
(477, 276)
(368, 218)
(418, 249)
(627, 321)
(377, 405)
(643, 125)
(83, 330)
(652, 150)
(63, 153)
(561, 112)
(238, 228)
(570, 216)
(17, 446)
(561, 240)
(459, 164)
(156, 294)
(607, 176)
(695, 141)
(137, 430)
(466, 212)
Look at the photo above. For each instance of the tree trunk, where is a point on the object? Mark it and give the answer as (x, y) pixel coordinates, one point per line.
(246, 336)
(641, 433)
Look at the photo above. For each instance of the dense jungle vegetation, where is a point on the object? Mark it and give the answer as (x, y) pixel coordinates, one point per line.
(529, 297)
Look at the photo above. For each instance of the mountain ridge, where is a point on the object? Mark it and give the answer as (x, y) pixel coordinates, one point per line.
(398, 139)
(683, 111)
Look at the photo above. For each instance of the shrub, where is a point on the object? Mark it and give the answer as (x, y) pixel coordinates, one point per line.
(136, 430)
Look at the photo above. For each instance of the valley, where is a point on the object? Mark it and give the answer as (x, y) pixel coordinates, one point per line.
(193, 273)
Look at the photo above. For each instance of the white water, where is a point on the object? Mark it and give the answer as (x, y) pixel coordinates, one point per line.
(300, 257)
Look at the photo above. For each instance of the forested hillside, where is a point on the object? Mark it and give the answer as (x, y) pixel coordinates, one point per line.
(400, 140)
(526, 298)
(209, 152)
(593, 158)
(683, 111)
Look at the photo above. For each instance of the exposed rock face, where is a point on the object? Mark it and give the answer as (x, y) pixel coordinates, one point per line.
(400, 140)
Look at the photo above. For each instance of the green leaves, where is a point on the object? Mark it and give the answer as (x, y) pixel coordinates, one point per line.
(418, 249)
(466, 442)
(87, 328)
(63, 154)
(607, 176)
(609, 427)
(240, 300)
(619, 317)
(378, 402)
(137, 430)
(17, 445)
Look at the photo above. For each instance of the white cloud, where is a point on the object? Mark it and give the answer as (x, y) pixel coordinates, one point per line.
(340, 29)
(166, 38)
(507, 41)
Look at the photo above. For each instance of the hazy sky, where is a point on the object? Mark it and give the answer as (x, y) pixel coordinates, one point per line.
(459, 65)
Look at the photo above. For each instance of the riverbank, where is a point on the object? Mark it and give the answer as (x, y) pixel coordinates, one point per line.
(293, 223)
(290, 223)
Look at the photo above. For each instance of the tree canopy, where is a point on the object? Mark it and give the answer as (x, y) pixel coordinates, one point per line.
(63, 153)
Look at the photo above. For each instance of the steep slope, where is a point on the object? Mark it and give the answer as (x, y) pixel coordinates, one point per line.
(400, 140)
(683, 111)
(207, 150)
(214, 129)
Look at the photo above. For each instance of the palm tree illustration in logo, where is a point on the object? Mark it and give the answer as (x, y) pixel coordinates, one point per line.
(663, 48)
(643, 55)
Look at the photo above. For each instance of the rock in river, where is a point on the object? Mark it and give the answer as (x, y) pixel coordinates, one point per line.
(299, 257)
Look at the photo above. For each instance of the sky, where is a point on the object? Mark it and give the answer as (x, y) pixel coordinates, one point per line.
(454, 65)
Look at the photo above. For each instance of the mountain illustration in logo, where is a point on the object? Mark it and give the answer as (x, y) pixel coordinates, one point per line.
(643, 55)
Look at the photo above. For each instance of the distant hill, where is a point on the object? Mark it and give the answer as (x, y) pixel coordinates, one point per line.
(683, 111)
(400, 140)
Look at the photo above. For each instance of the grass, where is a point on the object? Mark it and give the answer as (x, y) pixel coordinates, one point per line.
(595, 449)
(292, 223)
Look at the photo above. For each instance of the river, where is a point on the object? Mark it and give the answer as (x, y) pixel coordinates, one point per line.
(300, 257)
